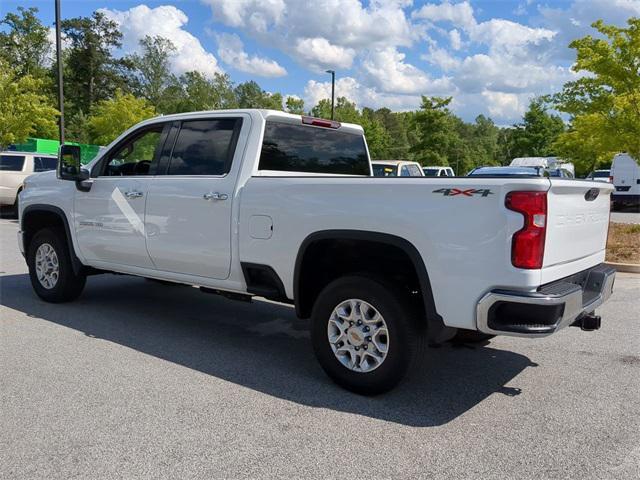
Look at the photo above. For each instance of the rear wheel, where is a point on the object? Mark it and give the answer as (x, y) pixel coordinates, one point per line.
(364, 334)
(50, 268)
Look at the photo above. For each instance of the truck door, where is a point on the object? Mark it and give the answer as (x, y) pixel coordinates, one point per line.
(109, 218)
(188, 214)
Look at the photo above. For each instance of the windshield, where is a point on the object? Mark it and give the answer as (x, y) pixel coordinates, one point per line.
(385, 170)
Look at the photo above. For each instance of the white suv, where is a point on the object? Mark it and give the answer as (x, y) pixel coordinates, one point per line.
(15, 167)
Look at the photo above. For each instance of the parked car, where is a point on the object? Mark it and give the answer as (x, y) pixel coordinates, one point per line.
(506, 171)
(548, 163)
(559, 172)
(396, 168)
(625, 173)
(438, 171)
(600, 176)
(245, 203)
(14, 168)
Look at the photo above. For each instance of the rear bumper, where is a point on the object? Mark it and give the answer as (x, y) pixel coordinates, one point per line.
(547, 310)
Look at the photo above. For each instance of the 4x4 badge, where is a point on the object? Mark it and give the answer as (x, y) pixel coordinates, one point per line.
(470, 192)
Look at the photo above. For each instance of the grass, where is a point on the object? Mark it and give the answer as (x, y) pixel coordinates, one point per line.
(624, 243)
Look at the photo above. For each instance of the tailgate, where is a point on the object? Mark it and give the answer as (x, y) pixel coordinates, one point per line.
(578, 220)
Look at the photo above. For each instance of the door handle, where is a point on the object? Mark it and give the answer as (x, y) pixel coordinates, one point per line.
(133, 194)
(215, 196)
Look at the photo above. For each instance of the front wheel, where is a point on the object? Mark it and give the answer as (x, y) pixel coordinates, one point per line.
(364, 334)
(50, 268)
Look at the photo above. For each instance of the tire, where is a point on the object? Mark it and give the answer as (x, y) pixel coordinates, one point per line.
(471, 336)
(404, 339)
(67, 285)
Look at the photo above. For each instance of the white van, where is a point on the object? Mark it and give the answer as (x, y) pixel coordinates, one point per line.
(626, 178)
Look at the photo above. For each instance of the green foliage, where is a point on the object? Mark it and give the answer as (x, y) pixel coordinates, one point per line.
(605, 104)
(536, 135)
(110, 118)
(193, 92)
(250, 95)
(92, 73)
(152, 68)
(24, 110)
(26, 44)
(295, 105)
(438, 141)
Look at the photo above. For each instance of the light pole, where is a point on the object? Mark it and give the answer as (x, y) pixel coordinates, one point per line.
(59, 59)
(333, 91)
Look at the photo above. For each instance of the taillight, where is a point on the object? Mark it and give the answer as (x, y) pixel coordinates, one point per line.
(319, 122)
(610, 179)
(527, 247)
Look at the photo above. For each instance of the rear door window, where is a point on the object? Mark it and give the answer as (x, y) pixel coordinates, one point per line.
(11, 163)
(44, 164)
(298, 148)
(205, 147)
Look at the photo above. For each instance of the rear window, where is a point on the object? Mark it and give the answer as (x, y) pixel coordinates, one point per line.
(44, 164)
(601, 174)
(430, 172)
(298, 148)
(11, 163)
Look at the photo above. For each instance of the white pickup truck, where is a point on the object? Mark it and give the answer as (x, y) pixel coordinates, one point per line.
(261, 203)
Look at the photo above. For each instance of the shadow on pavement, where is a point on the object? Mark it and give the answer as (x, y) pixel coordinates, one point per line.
(264, 346)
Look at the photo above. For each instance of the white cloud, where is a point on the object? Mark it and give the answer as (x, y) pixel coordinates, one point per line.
(318, 54)
(506, 105)
(459, 14)
(387, 70)
(231, 51)
(165, 21)
(455, 39)
(362, 95)
(344, 23)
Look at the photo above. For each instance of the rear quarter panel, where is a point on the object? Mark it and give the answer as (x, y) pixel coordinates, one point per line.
(464, 239)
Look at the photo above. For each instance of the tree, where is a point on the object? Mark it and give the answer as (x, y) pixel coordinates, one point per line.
(438, 142)
(25, 45)
(24, 110)
(193, 91)
(295, 105)
(152, 66)
(92, 73)
(534, 137)
(111, 117)
(604, 104)
(251, 95)
(378, 139)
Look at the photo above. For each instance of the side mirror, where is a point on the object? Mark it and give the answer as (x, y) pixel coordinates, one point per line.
(69, 164)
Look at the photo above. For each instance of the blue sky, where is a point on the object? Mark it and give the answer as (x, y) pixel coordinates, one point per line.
(491, 56)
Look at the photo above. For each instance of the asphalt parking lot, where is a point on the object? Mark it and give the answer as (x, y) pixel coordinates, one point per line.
(142, 380)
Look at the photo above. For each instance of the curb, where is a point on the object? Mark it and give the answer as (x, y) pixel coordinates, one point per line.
(624, 267)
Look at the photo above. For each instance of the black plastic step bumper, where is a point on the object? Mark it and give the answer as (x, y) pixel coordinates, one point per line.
(552, 307)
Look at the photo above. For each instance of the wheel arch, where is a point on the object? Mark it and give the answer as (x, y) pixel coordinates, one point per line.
(38, 216)
(304, 301)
